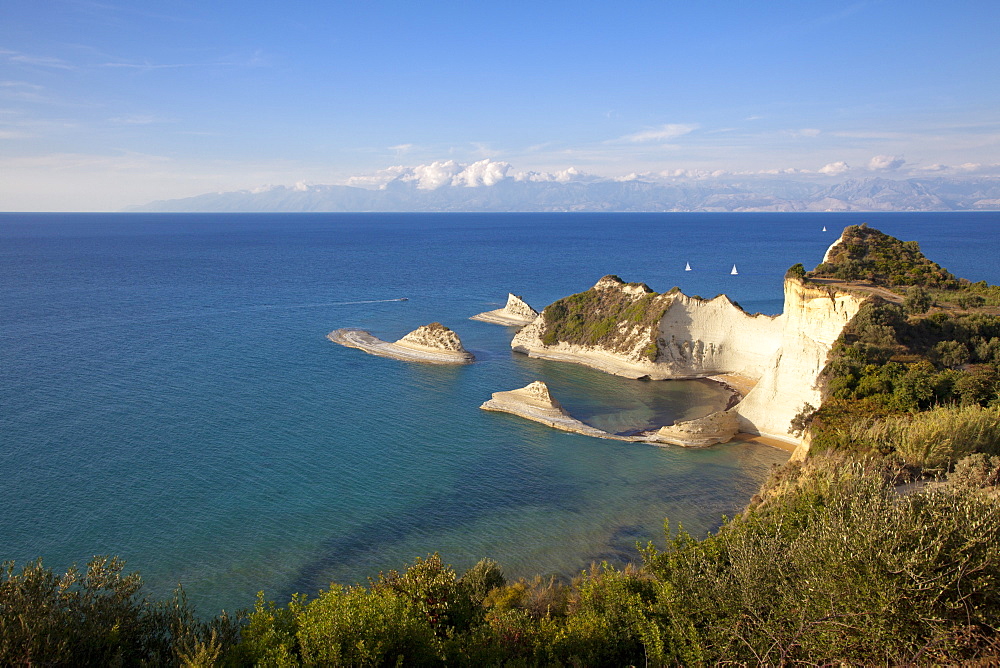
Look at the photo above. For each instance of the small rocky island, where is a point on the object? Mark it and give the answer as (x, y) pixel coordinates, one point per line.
(533, 402)
(516, 313)
(430, 344)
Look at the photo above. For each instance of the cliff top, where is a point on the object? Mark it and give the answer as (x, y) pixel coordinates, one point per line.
(868, 261)
(863, 253)
(608, 314)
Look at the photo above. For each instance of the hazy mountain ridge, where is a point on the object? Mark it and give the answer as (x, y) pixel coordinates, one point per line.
(867, 194)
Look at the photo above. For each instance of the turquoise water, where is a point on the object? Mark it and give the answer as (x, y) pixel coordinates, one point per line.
(167, 393)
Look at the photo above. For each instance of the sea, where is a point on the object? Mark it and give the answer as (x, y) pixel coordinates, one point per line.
(167, 393)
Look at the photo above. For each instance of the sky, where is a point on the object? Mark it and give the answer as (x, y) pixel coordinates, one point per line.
(109, 104)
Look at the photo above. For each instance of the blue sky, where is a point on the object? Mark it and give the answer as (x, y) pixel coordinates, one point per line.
(105, 104)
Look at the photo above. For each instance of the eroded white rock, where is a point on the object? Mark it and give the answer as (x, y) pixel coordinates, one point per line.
(516, 313)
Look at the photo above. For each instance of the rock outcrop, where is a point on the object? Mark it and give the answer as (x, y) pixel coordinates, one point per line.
(431, 344)
(718, 427)
(533, 402)
(516, 313)
(783, 355)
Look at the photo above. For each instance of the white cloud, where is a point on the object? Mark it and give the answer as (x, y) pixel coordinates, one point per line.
(436, 175)
(402, 148)
(661, 134)
(562, 176)
(380, 178)
(38, 61)
(835, 168)
(807, 132)
(482, 173)
(885, 163)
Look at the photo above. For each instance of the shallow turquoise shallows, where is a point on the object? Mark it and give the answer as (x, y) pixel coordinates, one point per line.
(167, 393)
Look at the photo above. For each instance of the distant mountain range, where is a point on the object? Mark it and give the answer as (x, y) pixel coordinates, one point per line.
(508, 194)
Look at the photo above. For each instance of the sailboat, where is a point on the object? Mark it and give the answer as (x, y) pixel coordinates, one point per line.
(687, 266)
(824, 228)
(734, 272)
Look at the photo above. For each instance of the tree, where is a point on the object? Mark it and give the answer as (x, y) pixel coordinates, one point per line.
(917, 300)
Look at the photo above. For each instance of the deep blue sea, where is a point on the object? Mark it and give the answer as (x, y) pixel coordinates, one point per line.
(167, 393)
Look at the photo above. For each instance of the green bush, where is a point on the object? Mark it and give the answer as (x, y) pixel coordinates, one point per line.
(99, 618)
(609, 318)
(839, 569)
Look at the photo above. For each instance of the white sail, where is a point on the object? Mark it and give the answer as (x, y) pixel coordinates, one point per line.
(824, 228)
(687, 266)
(734, 272)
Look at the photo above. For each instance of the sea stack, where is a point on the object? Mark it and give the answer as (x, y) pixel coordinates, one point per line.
(516, 313)
(435, 338)
(533, 402)
(430, 344)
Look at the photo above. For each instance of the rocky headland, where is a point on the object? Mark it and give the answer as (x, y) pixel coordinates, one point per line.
(516, 313)
(430, 344)
(629, 330)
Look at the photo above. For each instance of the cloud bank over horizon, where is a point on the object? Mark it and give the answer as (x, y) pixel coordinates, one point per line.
(489, 172)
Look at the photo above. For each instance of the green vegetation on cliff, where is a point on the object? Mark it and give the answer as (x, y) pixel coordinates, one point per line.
(865, 253)
(935, 346)
(612, 318)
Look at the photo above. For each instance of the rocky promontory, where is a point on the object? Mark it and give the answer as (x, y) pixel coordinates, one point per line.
(629, 330)
(516, 313)
(431, 344)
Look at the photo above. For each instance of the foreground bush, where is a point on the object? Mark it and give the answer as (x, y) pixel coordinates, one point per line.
(837, 567)
(934, 439)
(99, 618)
(840, 568)
(829, 565)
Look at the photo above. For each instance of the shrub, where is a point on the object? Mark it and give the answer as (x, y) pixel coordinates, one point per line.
(99, 618)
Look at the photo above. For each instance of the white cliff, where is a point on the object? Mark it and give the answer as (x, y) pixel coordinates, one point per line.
(693, 338)
(780, 357)
(813, 318)
(718, 427)
(516, 313)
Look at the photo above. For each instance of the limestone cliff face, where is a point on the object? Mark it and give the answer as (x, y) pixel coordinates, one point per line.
(813, 318)
(829, 251)
(692, 338)
(434, 336)
(696, 337)
(700, 337)
(718, 427)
